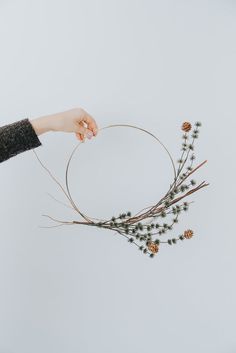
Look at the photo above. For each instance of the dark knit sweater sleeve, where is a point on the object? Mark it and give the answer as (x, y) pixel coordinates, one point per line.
(16, 138)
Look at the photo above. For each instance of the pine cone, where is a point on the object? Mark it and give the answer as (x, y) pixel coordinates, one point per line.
(186, 126)
(188, 233)
(153, 247)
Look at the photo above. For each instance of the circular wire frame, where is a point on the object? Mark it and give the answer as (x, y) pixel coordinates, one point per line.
(89, 219)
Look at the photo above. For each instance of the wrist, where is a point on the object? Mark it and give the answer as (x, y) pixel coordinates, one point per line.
(41, 125)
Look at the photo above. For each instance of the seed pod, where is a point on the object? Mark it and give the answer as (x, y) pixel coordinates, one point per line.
(153, 247)
(188, 233)
(186, 126)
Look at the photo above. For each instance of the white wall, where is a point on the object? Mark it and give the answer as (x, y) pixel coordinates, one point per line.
(149, 63)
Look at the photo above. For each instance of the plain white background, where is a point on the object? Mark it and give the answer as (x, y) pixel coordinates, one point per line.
(148, 63)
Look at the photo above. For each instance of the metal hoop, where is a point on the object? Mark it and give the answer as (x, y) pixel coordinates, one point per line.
(106, 127)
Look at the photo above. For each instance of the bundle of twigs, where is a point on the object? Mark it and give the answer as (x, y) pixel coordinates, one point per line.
(148, 223)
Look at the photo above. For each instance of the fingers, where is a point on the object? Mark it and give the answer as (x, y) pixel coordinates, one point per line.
(87, 127)
(80, 137)
(91, 124)
(84, 131)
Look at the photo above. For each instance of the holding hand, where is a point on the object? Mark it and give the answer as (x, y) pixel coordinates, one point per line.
(75, 120)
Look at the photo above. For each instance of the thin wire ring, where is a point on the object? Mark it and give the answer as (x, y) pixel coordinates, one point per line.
(103, 128)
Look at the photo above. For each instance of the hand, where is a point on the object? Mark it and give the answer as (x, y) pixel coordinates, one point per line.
(75, 120)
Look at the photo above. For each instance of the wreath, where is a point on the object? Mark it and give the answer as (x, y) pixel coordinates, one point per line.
(146, 229)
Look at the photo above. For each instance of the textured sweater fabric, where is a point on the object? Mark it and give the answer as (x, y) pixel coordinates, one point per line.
(16, 138)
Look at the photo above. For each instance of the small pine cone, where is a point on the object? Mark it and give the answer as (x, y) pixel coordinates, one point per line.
(153, 247)
(188, 233)
(186, 126)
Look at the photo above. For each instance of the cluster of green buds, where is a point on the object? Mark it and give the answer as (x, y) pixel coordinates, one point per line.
(142, 233)
(188, 147)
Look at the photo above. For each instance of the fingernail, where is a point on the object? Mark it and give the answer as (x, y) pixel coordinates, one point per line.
(89, 135)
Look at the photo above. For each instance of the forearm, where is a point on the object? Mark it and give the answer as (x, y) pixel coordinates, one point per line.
(74, 120)
(23, 135)
(53, 122)
(42, 124)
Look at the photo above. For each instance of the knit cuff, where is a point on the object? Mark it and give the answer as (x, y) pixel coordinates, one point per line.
(17, 137)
